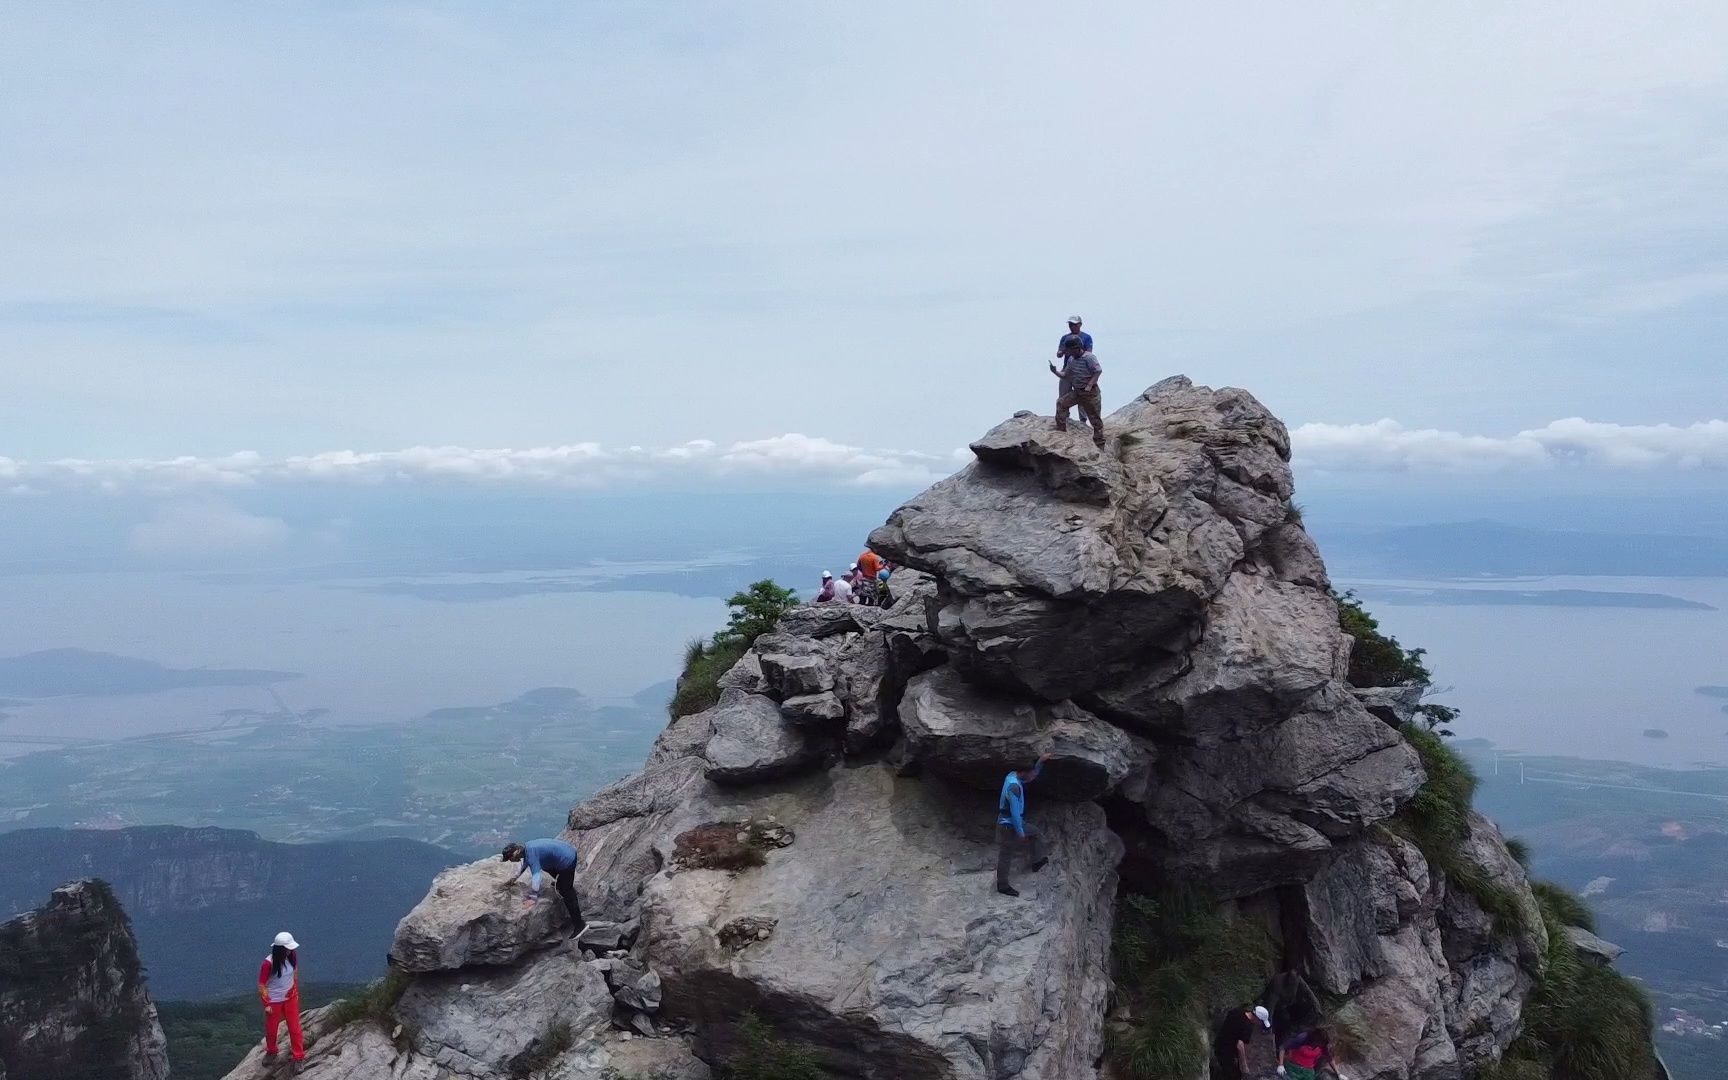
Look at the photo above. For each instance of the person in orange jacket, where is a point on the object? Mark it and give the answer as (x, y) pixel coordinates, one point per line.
(279, 990)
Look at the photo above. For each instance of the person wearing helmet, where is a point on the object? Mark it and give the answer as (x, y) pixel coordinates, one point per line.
(826, 595)
(1077, 380)
(279, 991)
(1235, 1035)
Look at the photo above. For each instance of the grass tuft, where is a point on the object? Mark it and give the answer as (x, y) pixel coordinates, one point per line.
(699, 685)
(1519, 849)
(376, 1003)
(766, 1056)
(1180, 961)
(1569, 908)
(1437, 821)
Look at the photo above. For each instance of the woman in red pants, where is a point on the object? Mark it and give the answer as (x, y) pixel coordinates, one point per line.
(279, 990)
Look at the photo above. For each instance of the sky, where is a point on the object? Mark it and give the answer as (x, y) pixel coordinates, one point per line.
(605, 244)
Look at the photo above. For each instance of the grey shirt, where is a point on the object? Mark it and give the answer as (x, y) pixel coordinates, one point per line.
(1079, 370)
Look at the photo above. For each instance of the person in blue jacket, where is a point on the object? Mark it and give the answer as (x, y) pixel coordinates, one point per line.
(1012, 832)
(557, 858)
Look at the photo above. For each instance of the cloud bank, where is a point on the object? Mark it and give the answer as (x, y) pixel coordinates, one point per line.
(797, 460)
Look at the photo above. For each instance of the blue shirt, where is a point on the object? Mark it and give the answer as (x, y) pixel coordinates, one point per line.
(551, 856)
(1011, 806)
(1073, 344)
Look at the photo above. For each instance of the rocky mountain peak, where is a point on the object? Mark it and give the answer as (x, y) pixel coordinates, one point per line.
(72, 996)
(1154, 618)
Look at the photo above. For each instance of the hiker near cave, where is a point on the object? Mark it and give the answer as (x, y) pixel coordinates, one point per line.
(1012, 832)
(1301, 1056)
(1235, 1035)
(1077, 380)
(555, 857)
(279, 991)
(1292, 1002)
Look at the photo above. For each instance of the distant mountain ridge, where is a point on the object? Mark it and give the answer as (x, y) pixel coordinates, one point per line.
(69, 672)
(1494, 549)
(206, 902)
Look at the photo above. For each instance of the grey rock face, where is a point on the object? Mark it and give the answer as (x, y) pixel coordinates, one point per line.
(478, 1021)
(976, 737)
(70, 965)
(1155, 618)
(1423, 966)
(472, 917)
(986, 986)
(752, 742)
(1592, 947)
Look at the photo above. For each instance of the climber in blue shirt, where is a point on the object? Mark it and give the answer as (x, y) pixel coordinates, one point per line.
(555, 857)
(1011, 828)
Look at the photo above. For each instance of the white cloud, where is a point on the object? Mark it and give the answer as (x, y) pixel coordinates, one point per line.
(797, 460)
(790, 459)
(206, 528)
(1388, 446)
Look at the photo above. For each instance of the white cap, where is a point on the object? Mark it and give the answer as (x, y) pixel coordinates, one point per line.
(826, 574)
(286, 940)
(854, 566)
(1262, 1015)
(1074, 320)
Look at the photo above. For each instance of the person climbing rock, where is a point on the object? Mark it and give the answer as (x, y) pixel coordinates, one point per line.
(1235, 1035)
(556, 857)
(1077, 380)
(1012, 832)
(1302, 1055)
(279, 991)
(1292, 1003)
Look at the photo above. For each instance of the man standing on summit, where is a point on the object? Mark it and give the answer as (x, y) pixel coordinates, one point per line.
(1011, 828)
(1077, 380)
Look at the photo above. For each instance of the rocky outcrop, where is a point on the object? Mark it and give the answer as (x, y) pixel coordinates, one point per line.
(72, 996)
(1438, 980)
(818, 849)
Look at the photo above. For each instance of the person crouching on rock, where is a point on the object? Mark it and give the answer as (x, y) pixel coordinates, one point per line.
(557, 858)
(1012, 832)
(279, 990)
(1301, 1056)
(1234, 1036)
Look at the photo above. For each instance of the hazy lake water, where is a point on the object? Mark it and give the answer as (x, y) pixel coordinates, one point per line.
(366, 656)
(1579, 681)
(1583, 681)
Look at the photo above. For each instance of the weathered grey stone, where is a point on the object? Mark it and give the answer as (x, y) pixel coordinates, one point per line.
(474, 916)
(601, 936)
(975, 737)
(478, 1021)
(752, 743)
(1265, 647)
(818, 621)
(1395, 705)
(988, 986)
(1592, 947)
(1069, 468)
(745, 675)
(815, 711)
(792, 666)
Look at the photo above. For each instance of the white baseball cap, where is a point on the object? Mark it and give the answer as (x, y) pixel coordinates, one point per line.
(1073, 320)
(286, 940)
(1262, 1015)
(826, 574)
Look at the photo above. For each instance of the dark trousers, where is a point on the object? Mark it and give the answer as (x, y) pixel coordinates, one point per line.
(566, 883)
(1008, 842)
(1090, 403)
(1224, 1067)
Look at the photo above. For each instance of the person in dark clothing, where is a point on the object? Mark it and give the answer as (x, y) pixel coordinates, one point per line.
(1292, 1003)
(557, 858)
(1235, 1035)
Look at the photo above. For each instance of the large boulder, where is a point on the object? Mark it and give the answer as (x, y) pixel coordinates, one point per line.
(485, 1020)
(752, 742)
(975, 737)
(473, 917)
(1061, 570)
